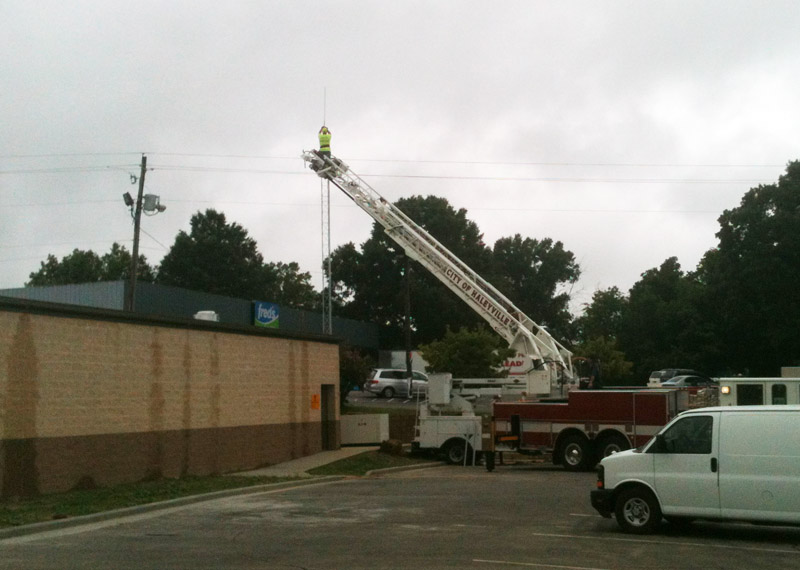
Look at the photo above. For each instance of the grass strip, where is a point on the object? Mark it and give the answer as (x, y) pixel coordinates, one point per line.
(17, 512)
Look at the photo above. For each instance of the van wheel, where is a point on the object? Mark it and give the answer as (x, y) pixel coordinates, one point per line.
(575, 453)
(455, 450)
(637, 511)
(611, 444)
(388, 392)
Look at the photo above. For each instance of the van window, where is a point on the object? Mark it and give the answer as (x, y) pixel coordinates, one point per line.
(779, 394)
(749, 395)
(689, 435)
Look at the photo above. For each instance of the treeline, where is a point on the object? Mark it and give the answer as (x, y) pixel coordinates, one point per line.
(737, 312)
(214, 257)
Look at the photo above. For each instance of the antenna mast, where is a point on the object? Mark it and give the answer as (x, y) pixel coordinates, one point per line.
(325, 211)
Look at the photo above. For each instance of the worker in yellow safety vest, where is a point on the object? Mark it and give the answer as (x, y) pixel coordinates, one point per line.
(325, 141)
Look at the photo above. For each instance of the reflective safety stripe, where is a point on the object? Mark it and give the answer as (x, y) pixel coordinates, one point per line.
(324, 141)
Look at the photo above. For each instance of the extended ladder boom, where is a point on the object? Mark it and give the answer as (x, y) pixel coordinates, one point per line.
(549, 357)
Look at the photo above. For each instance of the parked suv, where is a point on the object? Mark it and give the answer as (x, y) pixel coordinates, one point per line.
(388, 382)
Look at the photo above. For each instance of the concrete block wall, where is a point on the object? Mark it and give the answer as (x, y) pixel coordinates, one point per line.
(92, 397)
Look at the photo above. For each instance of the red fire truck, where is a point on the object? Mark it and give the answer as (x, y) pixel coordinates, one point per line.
(587, 426)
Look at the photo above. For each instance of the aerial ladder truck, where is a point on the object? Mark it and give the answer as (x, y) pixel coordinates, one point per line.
(550, 363)
(577, 429)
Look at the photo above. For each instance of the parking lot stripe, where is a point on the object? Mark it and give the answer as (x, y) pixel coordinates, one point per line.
(532, 565)
(674, 542)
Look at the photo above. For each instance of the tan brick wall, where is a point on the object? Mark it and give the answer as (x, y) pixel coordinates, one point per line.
(91, 378)
(67, 377)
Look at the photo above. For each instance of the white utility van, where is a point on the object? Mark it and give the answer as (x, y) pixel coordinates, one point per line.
(724, 463)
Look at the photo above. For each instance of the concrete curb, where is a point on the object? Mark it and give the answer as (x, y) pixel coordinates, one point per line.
(389, 470)
(34, 528)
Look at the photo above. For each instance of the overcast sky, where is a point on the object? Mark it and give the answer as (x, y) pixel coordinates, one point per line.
(621, 128)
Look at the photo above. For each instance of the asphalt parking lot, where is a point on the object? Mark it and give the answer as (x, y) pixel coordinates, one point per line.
(533, 516)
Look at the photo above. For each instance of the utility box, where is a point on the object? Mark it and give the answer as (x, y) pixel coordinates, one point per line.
(361, 429)
(439, 386)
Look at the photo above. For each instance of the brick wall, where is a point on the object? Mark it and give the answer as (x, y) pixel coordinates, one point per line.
(92, 397)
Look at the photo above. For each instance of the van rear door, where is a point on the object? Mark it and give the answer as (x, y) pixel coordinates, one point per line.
(685, 466)
(760, 465)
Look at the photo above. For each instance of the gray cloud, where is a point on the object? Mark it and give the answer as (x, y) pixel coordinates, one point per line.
(567, 99)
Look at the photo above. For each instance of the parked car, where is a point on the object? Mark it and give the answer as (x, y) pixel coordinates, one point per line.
(737, 463)
(694, 383)
(388, 382)
(661, 376)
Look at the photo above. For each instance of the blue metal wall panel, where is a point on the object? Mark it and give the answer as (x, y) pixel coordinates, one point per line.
(104, 295)
(154, 299)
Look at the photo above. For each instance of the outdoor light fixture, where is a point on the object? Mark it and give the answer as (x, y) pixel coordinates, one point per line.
(152, 204)
(128, 199)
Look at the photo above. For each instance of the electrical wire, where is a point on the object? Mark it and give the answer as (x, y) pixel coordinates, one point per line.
(65, 169)
(558, 179)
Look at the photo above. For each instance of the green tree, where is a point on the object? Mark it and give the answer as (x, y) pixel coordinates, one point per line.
(354, 367)
(478, 353)
(603, 317)
(369, 284)
(221, 258)
(215, 257)
(88, 267)
(615, 369)
(534, 274)
(751, 279)
(286, 284)
(663, 326)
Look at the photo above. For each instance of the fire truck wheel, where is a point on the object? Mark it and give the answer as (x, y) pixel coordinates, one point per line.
(575, 453)
(455, 450)
(637, 511)
(611, 444)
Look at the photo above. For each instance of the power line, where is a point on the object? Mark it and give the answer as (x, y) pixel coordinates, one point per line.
(489, 162)
(575, 179)
(614, 164)
(59, 244)
(66, 169)
(67, 154)
(37, 204)
(406, 161)
(350, 206)
(154, 239)
(558, 179)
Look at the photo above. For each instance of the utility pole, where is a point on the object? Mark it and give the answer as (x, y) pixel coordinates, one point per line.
(130, 298)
